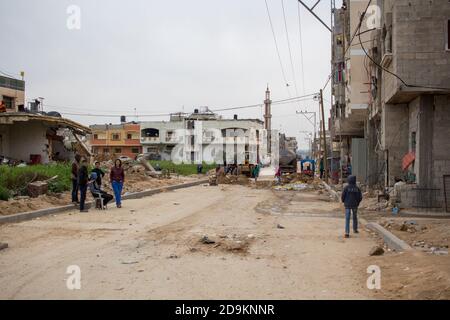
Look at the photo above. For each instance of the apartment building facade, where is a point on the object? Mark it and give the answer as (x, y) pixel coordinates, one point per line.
(114, 140)
(12, 94)
(350, 87)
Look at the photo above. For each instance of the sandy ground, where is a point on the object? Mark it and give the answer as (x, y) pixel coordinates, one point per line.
(423, 273)
(134, 183)
(267, 245)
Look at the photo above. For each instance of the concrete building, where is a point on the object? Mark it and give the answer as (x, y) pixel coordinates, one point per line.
(115, 140)
(159, 138)
(350, 85)
(413, 107)
(288, 143)
(12, 93)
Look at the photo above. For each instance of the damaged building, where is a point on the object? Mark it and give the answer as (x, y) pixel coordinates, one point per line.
(38, 138)
(29, 135)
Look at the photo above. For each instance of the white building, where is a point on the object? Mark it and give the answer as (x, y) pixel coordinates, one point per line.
(239, 139)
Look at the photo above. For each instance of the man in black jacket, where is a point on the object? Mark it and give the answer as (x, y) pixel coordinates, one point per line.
(351, 197)
(83, 180)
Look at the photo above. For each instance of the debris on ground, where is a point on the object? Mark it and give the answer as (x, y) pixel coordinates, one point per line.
(375, 204)
(376, 251)
(3, 245)
(405, 226)
(206, 240)
(37, 188)
(293, 187)
(279, 226)
(233, 179)
(431, 236)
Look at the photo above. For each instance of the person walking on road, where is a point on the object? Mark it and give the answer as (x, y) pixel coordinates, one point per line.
(117, 178)
(351, 197)
(255, 173)
(74, 177)
(278, 175)
(321, 168)
(83, 181)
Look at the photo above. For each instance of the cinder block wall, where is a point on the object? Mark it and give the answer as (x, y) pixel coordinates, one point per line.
(441, 141)
(395, 128)
(419, 42)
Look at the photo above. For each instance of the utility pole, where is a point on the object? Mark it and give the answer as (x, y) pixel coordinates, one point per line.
(324, 137)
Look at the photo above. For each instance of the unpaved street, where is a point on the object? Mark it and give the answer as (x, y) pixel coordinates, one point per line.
(267, 245)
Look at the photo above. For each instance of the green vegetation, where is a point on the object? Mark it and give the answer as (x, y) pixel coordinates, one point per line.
(181, 169)
(14, 180)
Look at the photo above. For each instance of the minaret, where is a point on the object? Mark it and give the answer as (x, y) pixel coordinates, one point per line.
(268, 118)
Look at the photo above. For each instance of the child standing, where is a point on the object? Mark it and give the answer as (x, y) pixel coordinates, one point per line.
(351, 197)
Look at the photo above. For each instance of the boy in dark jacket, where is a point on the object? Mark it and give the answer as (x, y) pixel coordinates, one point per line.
(351, 197)
(99, 172)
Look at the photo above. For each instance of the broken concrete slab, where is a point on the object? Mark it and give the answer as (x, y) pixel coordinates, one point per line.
(390, 239)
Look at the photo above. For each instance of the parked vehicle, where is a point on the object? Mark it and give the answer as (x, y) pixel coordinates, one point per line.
(288, 162)
(308, 167)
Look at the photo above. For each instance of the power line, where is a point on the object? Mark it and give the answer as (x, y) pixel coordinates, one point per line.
(8, 75)
(358, 28)
(289, 47)
(301, 47)
(358, 31)
(278, 102)
(278, 51)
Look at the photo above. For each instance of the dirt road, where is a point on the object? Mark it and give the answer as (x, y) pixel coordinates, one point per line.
(267, 245)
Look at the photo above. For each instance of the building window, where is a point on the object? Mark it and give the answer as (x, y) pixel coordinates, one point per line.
(134, 150)
(129, 136)
(150, 133)
(9, 102)
(105, 150)
(117, 150)
(115, 136)
(95, 136)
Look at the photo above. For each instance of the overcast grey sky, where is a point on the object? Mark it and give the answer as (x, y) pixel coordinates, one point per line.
(163, 56)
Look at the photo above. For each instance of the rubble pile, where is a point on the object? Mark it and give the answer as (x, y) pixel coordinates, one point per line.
(296, 178)
(229, 243)
(232, 179)
(410, 226)
(373, 204)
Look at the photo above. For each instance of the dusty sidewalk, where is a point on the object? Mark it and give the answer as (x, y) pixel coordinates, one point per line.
(151, 249)
(134, 183)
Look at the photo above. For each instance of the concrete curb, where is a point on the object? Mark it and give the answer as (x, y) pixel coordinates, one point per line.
(330, 190)
(390, 239)
(57, 210)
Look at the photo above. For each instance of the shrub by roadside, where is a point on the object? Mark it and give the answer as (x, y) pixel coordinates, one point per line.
(181, 169)
(14, 180)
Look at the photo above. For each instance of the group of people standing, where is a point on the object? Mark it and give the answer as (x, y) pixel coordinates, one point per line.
(82, 180)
